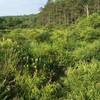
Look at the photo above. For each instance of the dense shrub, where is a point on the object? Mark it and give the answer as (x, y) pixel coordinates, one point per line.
(51, 63)
(83, 81)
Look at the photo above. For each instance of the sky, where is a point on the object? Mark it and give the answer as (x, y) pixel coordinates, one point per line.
(20, 7)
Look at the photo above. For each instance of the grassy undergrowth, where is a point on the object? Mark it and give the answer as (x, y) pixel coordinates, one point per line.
(51, 63)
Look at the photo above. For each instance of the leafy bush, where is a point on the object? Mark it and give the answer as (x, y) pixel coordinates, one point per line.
(51, 63)
(83, 81)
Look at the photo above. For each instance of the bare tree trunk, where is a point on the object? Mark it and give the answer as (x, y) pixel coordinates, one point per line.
(87, 10)
(98, 9)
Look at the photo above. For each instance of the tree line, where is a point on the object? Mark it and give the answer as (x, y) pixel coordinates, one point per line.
(10, 22)
(65, 12)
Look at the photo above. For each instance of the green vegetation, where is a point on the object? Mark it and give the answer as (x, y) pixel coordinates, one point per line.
(12, 22)
(65, 12)
(54, 55)
(51, 63)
